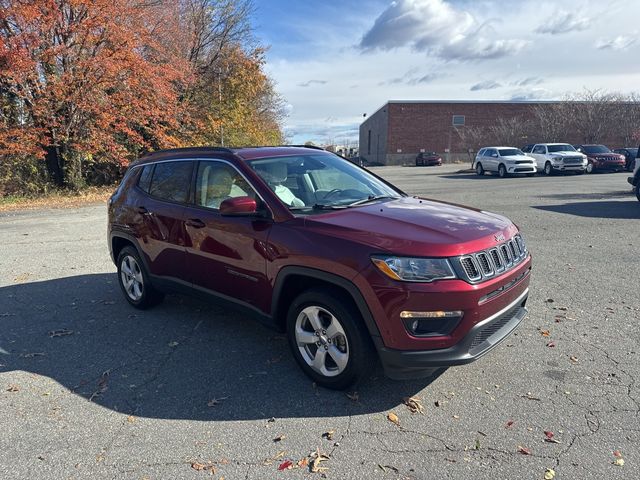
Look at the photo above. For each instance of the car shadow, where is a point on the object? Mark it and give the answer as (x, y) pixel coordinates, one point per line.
(598, 209)
(474, 176)
(184, 359)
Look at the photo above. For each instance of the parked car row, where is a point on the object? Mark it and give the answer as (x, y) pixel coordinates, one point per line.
(549, 158)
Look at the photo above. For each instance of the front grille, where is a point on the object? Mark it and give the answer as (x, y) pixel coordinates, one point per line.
(572, 160)
(522, 169)
(486, 264)
(520, 162)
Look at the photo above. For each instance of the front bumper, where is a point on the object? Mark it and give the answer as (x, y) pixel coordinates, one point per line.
(568, 168)
(481, 338)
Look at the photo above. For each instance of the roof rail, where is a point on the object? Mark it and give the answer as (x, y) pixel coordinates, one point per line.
(187, 149)
(316, 147)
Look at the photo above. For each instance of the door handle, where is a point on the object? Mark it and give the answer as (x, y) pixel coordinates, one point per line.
(195, 223)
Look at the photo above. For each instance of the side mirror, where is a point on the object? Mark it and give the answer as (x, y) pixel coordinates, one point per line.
(238, 206)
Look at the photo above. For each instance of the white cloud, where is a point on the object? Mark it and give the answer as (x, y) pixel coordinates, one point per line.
(564, 22)
(437, 28)
(621, 42)
(308, 83)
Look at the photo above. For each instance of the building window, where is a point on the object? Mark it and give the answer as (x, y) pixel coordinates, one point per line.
(458, 120)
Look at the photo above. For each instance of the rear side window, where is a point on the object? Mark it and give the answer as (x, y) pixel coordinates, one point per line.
(171, 180)
(144, 182)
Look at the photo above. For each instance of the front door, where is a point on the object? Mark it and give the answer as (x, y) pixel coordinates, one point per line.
(226, 255)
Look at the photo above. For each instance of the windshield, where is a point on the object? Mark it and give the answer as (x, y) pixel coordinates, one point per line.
(595, 149)
(510, 152)
(563, 147)
(310, 183)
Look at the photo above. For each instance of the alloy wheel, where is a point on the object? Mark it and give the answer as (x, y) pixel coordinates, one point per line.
(131, 278)
(322, 341)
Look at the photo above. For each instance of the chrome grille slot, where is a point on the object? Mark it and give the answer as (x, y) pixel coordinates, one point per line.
(505, 255)
(470, 268)
(497, 261)
(485, 266)
(512, 250)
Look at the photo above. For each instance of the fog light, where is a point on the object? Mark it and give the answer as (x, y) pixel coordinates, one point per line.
(431, 324)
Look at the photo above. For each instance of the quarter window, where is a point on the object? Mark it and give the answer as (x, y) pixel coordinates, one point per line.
(144, 182)
(170, 181)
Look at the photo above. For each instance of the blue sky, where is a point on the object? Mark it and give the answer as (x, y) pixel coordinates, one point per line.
(333, 61)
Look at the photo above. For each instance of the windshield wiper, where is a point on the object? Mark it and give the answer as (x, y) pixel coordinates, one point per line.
(372, 198)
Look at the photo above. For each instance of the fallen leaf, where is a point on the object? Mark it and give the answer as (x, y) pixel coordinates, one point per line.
(549, 300)
(279, 438)
(60, 333)
(353, 396)
(437, 403)
(172, 344)
(523, 450)
(549, 474)
(328, 435)
(217, 401)
(549, 437)
(197, 466)
(619, 462)
(414, 404)
(509, 423)
(551, 344)
(316, 458)
(617, 453)
(393, 418)
(13, 388)
(545, 333)
(131, 419)
(285, 465)
(384, 468)
(456, 417)
(477, 445)
(303, 463)
(573, 359)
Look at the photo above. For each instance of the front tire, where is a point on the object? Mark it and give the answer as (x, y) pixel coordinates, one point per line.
(589, 167)
(479, 169)
(134, 280)
(502, 171)
(328, 338)
(548, 169)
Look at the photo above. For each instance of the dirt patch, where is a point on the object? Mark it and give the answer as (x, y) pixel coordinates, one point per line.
(57, 200)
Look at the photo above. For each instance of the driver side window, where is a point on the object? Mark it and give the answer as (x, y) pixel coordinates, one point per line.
(216, 182)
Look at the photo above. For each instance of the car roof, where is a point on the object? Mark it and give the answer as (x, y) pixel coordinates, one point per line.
(516, 148)
(244, 153)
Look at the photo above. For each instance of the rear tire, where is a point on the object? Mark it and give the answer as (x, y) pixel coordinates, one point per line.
(328, 338)
(479, 169)
(134, 280)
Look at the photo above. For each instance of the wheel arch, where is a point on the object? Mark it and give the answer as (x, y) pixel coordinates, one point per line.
(292, 281)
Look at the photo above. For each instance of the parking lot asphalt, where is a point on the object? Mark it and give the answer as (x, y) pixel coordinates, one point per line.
(92, 388)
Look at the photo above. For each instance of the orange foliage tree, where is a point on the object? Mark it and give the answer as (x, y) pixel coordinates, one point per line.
(83, 80)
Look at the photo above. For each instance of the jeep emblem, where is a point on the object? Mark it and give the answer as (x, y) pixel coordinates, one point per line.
(499, 237)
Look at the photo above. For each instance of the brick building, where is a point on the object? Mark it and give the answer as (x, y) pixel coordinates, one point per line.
(399, 130)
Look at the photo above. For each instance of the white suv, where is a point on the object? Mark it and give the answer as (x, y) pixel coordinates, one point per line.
(505, 161)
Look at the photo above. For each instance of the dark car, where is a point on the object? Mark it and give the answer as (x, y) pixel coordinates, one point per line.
(600, 158)
(527, 148)
(428, 159)
(630, 154)
(349, 266)
(634, 180)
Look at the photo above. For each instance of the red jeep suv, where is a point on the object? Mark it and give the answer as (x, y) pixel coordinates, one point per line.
(349, 266)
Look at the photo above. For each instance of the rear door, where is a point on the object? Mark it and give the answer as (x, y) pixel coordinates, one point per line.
(226, 255)
(158, 222)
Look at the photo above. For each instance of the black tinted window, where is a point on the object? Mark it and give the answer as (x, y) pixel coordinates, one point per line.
(171, 181)
(144, 182)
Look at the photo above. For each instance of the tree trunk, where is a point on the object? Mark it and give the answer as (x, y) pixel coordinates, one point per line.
(54, 165)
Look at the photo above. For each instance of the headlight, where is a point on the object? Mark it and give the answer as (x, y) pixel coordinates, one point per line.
(414, 269)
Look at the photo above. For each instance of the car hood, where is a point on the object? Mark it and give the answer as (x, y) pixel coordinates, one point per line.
(567, 154)
(416, 226)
